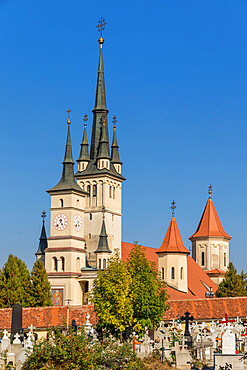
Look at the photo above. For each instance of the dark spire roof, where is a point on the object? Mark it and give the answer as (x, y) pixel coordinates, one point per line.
(84, 144)
(104, 144)
(103, 243)
(67, 181)
(43, 238)
(114, 148)
(100, 111)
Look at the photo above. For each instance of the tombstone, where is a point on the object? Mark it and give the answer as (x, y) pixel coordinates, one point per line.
(187, 335)
(228, 342)
(5, 342)
(16, 323)
(74, 326)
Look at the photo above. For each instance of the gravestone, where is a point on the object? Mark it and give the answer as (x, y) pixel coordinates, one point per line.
(187, 335)
(228, 342)
(16, 323)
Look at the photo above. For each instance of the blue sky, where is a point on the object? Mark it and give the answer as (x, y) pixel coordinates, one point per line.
(175, 78)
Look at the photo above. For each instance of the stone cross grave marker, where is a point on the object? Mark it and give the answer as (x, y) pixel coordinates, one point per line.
(187, 318)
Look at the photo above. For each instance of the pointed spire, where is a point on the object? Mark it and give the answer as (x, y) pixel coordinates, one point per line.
(104, 144)
(103, 242)
(173, 242)
(114, 148)
(67, 181)
(84, 144)
(210, 224)
(43, 238)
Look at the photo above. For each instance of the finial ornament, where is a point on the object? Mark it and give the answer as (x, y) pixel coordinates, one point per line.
(114, 121)
(101, 27)
(210, 190)
(68, 111)
(173, 207)
(85, 119)
(43, 215)
(103, 211)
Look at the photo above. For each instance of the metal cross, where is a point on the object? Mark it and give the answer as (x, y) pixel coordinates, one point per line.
(43, 215)
(101, 25)
(210, 190)
(68, 111)
(114, 120)
(85, 119)
(173, 207)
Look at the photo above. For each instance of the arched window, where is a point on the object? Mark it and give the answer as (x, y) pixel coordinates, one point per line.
(94, 190)
(109, 191)
(203, 258)
(63, 263)
(78, 264)
(224, 259)
(104, 263)
(113, 192)
(61, 203)
(77, 203)
(173, 273)
(163, 273)
(82, 166)
(99, 263)
(89, 190)
(90, 236)
(182, 273)
(118, 168)
(55, 263)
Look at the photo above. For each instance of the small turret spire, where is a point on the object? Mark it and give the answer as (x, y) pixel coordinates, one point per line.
(84, 144)
(103, 242)
(114, 151)
(43, 238)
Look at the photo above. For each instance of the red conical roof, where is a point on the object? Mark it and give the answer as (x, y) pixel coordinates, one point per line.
(173, 242)
(210, 224)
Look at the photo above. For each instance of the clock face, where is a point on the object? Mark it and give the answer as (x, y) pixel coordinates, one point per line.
(77, 222)
(60, 222)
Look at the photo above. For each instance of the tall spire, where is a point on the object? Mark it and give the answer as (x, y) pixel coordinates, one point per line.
(114, 148)
(100, 111)
(84, 144)
(103, 243)
(67, 181)
(43, 238)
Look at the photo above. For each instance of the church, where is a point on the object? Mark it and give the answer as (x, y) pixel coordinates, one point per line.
(86, 223)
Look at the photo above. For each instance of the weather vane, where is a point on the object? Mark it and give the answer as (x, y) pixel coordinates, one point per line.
(210, 190)
(101, 25)
(43, 215)
(173, 207)
(85, 119)
(68, 111)
(114, 120)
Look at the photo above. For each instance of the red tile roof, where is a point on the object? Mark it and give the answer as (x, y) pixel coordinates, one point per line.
(198, 280)
(173, 242)
(210, 224)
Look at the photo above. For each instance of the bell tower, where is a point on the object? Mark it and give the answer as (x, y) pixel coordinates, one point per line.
(100, 173)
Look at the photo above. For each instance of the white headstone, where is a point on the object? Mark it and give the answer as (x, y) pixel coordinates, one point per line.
(17, 340)
(228, 342)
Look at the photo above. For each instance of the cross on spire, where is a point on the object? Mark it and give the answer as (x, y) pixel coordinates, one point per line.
(68, 111)
(85, 119)
(43, 215)
(173, 207)
(114, 121)
(101, 25)
(210, 190)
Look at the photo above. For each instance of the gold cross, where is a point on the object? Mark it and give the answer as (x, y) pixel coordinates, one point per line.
(101, 25)
(85, 119)
(173, 207)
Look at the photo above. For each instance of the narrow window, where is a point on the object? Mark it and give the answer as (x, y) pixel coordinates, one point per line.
(90, 236)
(113, 192)
(78, 264)
(224, 259)
(173, 273)
(118, 168)
(86, 286)
(104, 263)
(82, 166)
(163, 273)
(63, 263)
(90, 216)
(94, 190)
(89, 190)
(55, 263)
(110, 192)
(103, 163)
(203, 258)
(61, 203)
(182, 273)
(99, 263)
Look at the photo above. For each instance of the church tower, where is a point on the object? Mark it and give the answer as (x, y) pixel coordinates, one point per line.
(172, 257)
(66, 254)
(100, 173)
(210, 243)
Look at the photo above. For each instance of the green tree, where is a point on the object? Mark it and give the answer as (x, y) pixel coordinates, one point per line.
(233, 284)
(112, 297)
(15, 283)
(41, 288)
(149, 293)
